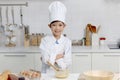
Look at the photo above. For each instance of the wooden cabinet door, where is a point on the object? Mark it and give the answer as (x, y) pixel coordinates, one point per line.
(81, 62)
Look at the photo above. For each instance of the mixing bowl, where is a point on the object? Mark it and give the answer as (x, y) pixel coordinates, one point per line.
(62, 73)
(98, 75)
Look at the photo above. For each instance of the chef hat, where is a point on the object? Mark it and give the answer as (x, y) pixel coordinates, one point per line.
(57, 11)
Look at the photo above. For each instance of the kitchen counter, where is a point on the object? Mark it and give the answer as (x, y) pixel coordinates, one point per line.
(90, 49)
(75, 49)
(20, 49)
(72, 76)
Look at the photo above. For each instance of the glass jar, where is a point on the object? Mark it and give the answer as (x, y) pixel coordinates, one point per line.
(102, 40)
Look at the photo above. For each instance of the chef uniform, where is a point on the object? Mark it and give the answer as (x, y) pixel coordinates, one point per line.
(50, 46)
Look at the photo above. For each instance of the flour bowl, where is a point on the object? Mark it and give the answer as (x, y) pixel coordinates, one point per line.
(62, 73)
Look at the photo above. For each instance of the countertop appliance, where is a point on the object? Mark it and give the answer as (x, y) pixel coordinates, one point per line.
(114, 46)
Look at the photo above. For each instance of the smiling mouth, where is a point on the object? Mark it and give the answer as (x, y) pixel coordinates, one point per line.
(57, 31)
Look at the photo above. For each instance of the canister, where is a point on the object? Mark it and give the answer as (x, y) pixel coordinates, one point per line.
(102, 41)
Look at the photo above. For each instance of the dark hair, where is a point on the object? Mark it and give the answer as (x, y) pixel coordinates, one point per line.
(56, 21)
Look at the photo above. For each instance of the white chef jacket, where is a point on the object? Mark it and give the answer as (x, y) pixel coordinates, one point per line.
(50, 47)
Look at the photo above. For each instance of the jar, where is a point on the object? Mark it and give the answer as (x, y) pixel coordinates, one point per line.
(102, 40)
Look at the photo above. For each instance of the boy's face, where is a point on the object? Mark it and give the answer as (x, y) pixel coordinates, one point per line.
(57, 28)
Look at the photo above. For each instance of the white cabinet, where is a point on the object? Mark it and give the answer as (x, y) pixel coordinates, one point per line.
(106, 61)
(119, 63)
(38, 63)
(16, 62)
(81, 62)
(95, 61)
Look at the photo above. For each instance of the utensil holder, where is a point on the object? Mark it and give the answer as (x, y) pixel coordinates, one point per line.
(95, 40)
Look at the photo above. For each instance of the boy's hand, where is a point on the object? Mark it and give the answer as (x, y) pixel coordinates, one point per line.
(58, 56)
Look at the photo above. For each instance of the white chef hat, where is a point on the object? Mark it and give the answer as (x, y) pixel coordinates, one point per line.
(57, 11)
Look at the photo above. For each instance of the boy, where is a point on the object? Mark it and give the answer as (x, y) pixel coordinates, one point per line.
(56, 48)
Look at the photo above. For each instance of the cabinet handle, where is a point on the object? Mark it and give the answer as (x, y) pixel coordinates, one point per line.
(82, 55)
(8, 55)
(112, 55)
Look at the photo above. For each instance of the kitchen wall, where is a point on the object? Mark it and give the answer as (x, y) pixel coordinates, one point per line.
(80, 12)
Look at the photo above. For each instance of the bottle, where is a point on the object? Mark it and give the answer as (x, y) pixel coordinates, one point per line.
(34, 40)
(39, 39)
(20, 37)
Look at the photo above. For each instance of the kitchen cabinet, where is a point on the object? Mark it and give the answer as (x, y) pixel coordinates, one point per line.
(81, 62)
(119, 64)
(106, 61)
(16, 62)
(38, 63)
(83, 59)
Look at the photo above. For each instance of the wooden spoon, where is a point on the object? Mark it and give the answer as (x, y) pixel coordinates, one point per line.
(54, 67)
